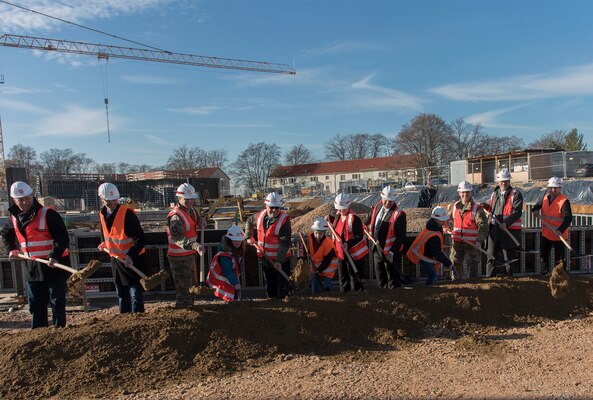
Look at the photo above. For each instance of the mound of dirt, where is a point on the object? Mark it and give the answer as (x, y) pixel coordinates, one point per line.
(113, 355)
(303, 223)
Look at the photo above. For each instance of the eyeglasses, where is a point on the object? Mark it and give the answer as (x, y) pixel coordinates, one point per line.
(274, 208)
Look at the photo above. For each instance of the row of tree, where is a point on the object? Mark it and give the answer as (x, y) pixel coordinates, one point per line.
(427, 135)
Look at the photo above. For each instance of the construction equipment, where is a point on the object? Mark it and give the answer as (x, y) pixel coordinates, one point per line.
(147, 282)
(77, 278)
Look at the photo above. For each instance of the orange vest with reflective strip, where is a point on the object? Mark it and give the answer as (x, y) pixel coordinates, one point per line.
(190, 230)
(552, 214)
(390, 239)
(116, 241)
(37, 242)
(216, 279)
(360, 249)
(416, 252)
(465, 227)
(268, 239)
(508, 208)
(324, 248)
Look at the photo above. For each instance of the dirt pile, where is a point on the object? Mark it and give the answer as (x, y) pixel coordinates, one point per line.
(302, 224)
(111, 355)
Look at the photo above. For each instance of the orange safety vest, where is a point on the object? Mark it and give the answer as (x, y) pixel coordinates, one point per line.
(390, 239)
(324, 248)
(464, 226)
(416, 251)
(508, 208)
(269, 240)
(552, 214)
(360, 249)
(116, 241)
(37, 242)
(216, 279)
(190, 230)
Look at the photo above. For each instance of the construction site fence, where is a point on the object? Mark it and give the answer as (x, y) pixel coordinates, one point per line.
(84, 243)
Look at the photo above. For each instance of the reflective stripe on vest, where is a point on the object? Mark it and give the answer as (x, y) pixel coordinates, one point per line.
(508, 208)
(269, 239)
(360, 249)
(216, 279)
(416, 251)
(465, 227)
(552, 214)
(190, 231)
(390, 238)
(116, 241)
(325, 247)
(37, 241)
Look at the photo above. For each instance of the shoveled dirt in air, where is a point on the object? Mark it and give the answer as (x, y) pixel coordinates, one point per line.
(498, 337)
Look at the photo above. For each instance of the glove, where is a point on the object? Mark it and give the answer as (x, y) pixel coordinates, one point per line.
(13, 255)
(52, 263)
(197, 247)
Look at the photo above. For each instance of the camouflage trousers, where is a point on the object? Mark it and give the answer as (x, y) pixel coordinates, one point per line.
(464, 251)
(182, 270)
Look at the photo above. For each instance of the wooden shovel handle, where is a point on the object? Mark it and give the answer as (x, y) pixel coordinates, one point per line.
(339, 239)
(557, 234)
(268, 259)
(506, 230)
(46, 262)
(132, 267)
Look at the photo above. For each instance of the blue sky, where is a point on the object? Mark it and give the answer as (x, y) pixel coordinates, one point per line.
(520, 68)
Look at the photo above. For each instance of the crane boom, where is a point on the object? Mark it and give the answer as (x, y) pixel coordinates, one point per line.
(130, 53)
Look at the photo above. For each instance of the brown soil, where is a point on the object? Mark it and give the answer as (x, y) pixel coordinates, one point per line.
(302, 224)
(492, 338)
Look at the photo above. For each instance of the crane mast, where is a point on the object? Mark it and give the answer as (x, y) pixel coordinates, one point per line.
(131, 53)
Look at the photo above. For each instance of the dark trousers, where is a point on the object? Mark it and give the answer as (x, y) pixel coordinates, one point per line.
(39, 293)
(348, 278)
(494, 250)
(388, 274)
(559, 253)
(131, 297)
(277, 287)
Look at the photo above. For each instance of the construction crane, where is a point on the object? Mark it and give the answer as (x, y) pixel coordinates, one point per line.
(104, 52)
(130, 53)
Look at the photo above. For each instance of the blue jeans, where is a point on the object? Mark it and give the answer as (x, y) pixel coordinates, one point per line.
(39, 293)
(131, 297)
(320, 282)
(429, 269)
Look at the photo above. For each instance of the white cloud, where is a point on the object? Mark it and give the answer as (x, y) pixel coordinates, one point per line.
(21, 106)
(203, 110)
(149, 80)
(489, 119)
(233, 126)
(75, 121)
(12, 90)
(344, 46)
(311, 76)
(380, 98)
(569, 81)
(159, 141)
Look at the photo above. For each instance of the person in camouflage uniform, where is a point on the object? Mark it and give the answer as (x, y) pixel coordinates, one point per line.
(184, 224)
(470, 228)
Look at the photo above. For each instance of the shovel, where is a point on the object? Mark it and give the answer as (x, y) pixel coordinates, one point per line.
(77, 276)
(519, 248)
(147, 282)
(573, 253)
(350, 260)
(280, 271)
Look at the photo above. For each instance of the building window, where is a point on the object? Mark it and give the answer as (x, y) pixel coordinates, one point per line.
(313, 179)
(326, 187)
(342, 177)
(382, 174)
(355, 176)
(291, 180)
(327, 177)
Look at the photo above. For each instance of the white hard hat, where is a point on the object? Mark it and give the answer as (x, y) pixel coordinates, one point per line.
(273, 200)
(503, 175)
(108, 191)
(439, 213)
(186, 191)
(465, 186)
(320, 224)
(388, 193)
(20, 189)
(235, 233)
(554, 182)
(342, 201)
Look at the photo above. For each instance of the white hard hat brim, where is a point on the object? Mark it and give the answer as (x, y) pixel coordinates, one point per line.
(441, 218)
(339, 207)
(388, 198)
(188, 196)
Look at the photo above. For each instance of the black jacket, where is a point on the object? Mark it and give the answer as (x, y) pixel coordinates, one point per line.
(432, 248)
(400, 229)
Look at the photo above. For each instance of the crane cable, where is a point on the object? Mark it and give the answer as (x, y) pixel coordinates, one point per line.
(105, 85)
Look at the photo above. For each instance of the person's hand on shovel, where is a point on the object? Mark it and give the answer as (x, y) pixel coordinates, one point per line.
(277, 266)
(198, 247)
(52, 262)
(13, 255)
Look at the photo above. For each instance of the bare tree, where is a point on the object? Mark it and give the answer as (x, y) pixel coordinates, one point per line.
(24, 157)
(465, 139)
(216, 158)
(184, 157)
(378, 145)
(298, 155)
(57, 161)
(551, 140)
(427, 136)
(498, 144)
(356, 146)
(254, 165)
(336, 148)
(125, 168)
(106, 168)
(83, 164)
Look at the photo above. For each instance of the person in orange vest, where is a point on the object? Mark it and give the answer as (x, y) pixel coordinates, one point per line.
(506, 206)
(323, 257)
(183, 226)
(123, 238)
(427, 248)
(271, 230)
(39, 232)
(556, 211)
(223, 276)
(388, 225)
(352, 239)
(470, 228)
